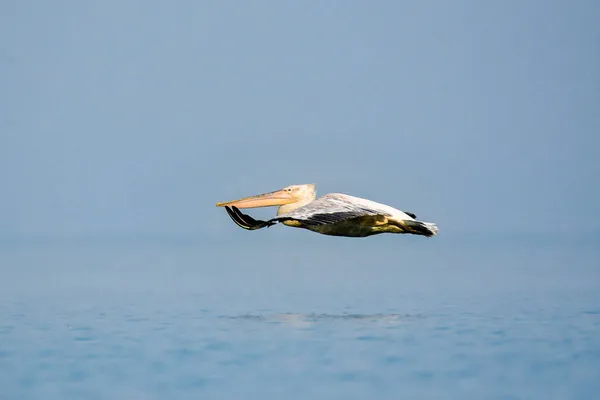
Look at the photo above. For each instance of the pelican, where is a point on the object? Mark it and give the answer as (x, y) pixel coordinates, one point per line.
(334, 214)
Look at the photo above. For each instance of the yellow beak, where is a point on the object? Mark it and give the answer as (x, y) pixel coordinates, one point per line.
(277, 198)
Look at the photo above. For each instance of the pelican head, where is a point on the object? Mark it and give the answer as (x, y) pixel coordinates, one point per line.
(288, 199)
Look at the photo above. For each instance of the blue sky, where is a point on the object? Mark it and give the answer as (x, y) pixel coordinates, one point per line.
(135, 117)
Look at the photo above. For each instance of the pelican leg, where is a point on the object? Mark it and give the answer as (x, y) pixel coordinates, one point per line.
(245, 221)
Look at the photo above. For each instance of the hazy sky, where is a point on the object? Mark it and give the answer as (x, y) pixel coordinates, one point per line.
(135, 117)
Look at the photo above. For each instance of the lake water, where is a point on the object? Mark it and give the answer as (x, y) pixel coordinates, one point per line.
(312, 317)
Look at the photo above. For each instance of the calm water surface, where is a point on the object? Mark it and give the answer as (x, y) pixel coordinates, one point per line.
(384, 319)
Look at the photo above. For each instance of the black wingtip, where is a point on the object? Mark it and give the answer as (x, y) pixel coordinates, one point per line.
(238, 221)
(245, 221)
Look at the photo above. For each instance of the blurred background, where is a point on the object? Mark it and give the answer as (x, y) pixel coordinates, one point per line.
(131, 119)
(122, 123)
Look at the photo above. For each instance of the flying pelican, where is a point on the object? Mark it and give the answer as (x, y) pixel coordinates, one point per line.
(333, 214)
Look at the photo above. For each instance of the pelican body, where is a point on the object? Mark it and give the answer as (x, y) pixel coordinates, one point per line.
(334, 214)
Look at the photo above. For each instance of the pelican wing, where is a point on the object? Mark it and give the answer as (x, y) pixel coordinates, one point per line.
(328, 209)
(335, 207)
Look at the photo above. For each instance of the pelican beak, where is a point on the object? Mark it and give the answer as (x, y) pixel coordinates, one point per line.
(277, 198)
